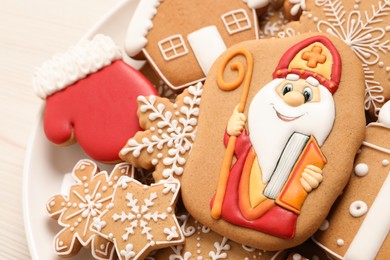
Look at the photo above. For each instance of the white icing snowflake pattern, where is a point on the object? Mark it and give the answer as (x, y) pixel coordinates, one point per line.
(172, 126)
(140, 218)
(87, 198)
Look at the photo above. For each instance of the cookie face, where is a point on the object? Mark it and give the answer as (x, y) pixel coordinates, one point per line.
(170, 130)
(287, 157)
(180, 44)
(75, 212)
(202, 243)
(364, 26)
(363, 206)
(92, 98)
(140, 218)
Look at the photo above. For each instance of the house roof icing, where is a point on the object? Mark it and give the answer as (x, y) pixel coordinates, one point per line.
(139, 26)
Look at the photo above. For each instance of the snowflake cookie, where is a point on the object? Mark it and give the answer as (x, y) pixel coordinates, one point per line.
(365, 27)
(203, 243)
(170, 130)
(75, 212)
(140, 218)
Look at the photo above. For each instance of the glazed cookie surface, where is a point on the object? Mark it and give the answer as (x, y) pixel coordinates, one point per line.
(287, 154)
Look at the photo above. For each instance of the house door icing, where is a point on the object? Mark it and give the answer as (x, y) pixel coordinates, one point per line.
(207, 44)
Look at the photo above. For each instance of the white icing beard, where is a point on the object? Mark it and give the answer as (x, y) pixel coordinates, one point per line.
(269, 134)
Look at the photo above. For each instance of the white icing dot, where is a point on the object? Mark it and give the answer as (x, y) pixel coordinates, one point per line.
(315, 19)
(82, 167)
(110, 205)
(63, 204)
(198, 232)
(74, 205)
(169, 209)
(110, 236)
(72, 229)
(123, 171)
(152, 243)
(358, 208)
(357, 1)
(104, 188)
(139, 216)
(198, 251)
(199, 227)
(196, 222)
(61, 243)
(198, 244)
(297, 257)
(79, 219)
(385, 162)
(102, 246)
(85, 178)
(160, 155)
(388, 69)
(381, 64)
(198, 238)
(52, 204)
(146, 187)
(175, 106)
(246, 258)
(387, 28)
(85, 185)
(177, 113)
(324, 225)
(356, 7)
(76, 224)
(86, 190)
(69, 204)
(154, 161)
(110, 183)
(340, 242)
(309, 16)
(361, 169)
(152, 129)
(115, 178)
(160, 131)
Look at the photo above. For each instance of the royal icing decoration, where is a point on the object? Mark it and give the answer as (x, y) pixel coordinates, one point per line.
(272, 23)
(365, 29)
(361, 169)
(358, 208)
(66, 68)
(170, 130)
(297, 6)
(86, 200)
(140, 218)
(202, 243)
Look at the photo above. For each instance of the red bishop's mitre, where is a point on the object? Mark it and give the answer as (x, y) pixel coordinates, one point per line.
(315, 57)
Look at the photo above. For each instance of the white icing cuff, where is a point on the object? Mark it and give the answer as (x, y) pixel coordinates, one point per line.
(140, 24)
(80, 60)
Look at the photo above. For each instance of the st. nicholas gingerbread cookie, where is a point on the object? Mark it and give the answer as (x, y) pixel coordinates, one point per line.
(359, 223)
(91, 97)
(276, 138)
(76, 211)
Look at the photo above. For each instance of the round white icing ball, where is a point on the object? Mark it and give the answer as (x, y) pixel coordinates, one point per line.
(384, 114)
(361, 169)
(358, 208)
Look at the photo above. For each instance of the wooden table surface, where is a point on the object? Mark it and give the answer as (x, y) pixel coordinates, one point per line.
(30, 32)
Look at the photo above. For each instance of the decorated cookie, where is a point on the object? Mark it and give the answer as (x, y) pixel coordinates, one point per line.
(272, 150)
(170, 130)
(202, 243)
(181, 44)
(76, 211)
(272, 23)
(359, 223)
(140, 218)
(91, 98)
(365, 27)
(293, 8)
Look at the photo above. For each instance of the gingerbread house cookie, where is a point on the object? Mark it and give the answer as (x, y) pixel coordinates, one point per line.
(182, 38)
(365, 27)
(359, 223)
(272, 151)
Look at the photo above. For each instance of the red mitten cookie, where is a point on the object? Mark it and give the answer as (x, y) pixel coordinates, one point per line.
(91, 96)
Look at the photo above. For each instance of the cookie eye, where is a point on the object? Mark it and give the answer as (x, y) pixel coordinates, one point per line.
(287, 88)
(307, 94)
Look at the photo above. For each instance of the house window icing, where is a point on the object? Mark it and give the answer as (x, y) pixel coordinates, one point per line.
(173, 47)
(236, 21)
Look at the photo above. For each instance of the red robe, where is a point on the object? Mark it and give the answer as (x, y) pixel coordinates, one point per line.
(276, 221)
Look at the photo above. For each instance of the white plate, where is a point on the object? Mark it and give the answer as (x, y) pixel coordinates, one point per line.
(46, 164)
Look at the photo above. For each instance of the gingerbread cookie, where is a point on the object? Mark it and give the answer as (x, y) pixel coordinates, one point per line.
(273, 184)
(272, 23)
(170, 130)
(359, 223)
(202, 243)
(365, 27)
(293, 9)
(140, 218)
(86, 200)
(90, 95)
(180, 44)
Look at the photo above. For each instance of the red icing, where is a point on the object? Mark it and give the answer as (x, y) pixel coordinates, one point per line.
(330, 84)
(277, 221)
(101, 109)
